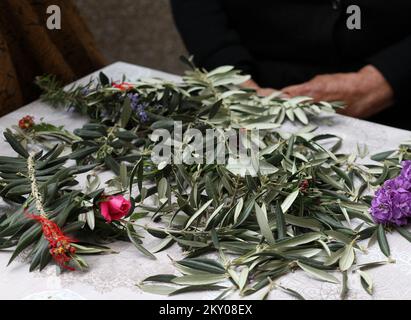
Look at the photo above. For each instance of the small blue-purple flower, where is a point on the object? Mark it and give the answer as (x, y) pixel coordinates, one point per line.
(134, 100)
(85, 91)
(142, 113)
(138, 107)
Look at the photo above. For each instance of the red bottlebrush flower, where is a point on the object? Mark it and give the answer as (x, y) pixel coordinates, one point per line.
(60, 245)
(124, 86)
(26, 122)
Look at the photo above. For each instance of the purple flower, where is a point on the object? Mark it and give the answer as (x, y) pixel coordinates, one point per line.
(85, 91)
(392, 202)
(134, 99)
(406, 171)
(391, 206)
(142, 113)
(138, 107)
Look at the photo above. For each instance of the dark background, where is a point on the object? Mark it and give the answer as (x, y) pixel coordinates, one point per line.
(144, 28)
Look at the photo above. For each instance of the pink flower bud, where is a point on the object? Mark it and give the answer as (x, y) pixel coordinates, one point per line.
(114, 208)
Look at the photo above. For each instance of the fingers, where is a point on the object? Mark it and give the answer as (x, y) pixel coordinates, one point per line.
(319, 89)
(304, 89)
(265, 92)
(250, 84)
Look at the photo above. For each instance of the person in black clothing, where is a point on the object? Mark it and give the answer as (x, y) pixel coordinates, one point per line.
(305, 47)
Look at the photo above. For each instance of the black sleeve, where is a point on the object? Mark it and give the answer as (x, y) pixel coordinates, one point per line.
(207, 35)
(395, 65)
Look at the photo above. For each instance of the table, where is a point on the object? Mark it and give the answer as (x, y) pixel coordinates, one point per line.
(115, 276)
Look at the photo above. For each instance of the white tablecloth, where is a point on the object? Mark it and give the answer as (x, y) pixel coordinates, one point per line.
(115, 276)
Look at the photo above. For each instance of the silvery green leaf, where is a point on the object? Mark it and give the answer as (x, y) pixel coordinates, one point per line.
(347, 258)
(297, 100)
(165, 243)
(317, 273)
(196, 280)
(316, 109)
(202, 265)
(242, 281)
(329, 180)
(165, 278)
(327, 105)
(131, 233)
(270, 97)
(371, 265)
(162, 189)
(238, 209)
(300, 114)
(90, 219)
(382, 240)
(383, 155)
(281, 222)
(245, 213)
(339, 236)
(366, 282)
(303, 222)
(15, 144)
(300, 156)
(404, 232)
(123, 175)
(269, 150)
(344, 176)
(91, 250)
(373, 239)
(325, 246)
(82, 217)
(298, 240)
(220, 70)
(266, 168)
(307, 253)
(345, 213)
(190, 243)
(263, 223)
(288, 202)
(213, 215)
(162, 165)
(230, 80)
(198, 288)
(126, 113)
(292, 292)
(290, 114)
(334, 257)
(230, 93)
(93, 183)
(281, 116)
(241, 167)
(261, 126)
(256, 111)
(157, 289)
(234, 276)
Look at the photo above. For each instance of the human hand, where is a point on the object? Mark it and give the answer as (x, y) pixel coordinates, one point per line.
(365, 92)
(264, 92)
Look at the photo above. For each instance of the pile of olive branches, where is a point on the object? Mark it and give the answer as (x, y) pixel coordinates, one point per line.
(304, 207)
